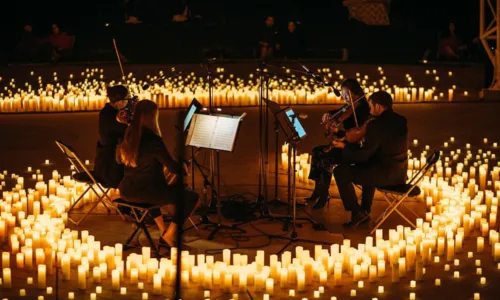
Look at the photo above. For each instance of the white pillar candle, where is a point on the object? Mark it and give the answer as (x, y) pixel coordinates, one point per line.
(270, 286)
(5, 260)
(96, 274)
(42, 276)
(7, 279)
(480, 244)
(123, 291)
(98, 289)
(496, 252)
(115, 280)
(82, 279)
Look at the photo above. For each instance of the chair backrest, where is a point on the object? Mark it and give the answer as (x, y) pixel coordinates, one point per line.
(73, 158)
(431, 160)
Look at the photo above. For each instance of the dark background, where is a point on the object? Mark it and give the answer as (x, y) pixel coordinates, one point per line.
(415, 25)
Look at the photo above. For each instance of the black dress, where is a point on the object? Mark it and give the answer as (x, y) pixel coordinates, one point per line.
(146, 182)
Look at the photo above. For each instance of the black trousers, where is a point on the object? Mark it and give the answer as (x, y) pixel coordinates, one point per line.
(368, 177)
(322, 164)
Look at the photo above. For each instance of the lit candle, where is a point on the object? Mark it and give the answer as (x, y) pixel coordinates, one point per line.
(115, 280)
(480, 244)
(157, 284)
(7, 280)
(42, 276)
(82, 279)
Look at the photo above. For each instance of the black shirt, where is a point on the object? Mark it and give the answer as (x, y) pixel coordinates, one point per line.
(110, 130)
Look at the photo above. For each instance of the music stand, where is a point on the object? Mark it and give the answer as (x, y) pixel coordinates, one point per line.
(216, 133)
(294, 131)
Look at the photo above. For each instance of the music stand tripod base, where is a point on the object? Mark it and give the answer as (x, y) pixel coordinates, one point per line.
(220, 227)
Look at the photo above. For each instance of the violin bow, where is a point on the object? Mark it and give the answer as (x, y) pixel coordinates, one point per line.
(121, 68)
(353, 110)
(119, 60)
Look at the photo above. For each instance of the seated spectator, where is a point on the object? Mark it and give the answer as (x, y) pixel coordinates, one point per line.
(28, 45)
(268, 38)
(61, 42)
(132, 11)
(450, 45)
(292, 45)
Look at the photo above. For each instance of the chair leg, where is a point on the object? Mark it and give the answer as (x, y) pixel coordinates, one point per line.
(78, 200)
(194, 225)
(127, 245)
(101, 199)
(394, 207)
(77, 223)
(150, 240)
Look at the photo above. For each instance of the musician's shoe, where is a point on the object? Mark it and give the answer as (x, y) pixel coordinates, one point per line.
(360, 218)
(315, 195)
(322, 201)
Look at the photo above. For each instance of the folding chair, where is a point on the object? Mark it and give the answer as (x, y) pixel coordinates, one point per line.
(396, 194)
(83, 175)
(139, 212)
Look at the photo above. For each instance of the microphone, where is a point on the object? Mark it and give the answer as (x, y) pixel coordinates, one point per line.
(318, 78)
(299, 116)
(145, 86)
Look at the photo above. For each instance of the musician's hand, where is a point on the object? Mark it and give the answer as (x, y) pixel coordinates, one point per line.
(325, 118)
(338, 144)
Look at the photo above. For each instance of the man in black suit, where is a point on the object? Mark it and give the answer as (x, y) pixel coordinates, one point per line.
(380, 161)
(111, 132)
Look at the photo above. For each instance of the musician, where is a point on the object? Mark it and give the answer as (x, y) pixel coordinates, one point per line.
(323, 162)
(145, 155)
(380, 161)
(111, 132)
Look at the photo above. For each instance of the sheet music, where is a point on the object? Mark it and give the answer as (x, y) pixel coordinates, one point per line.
(225, 133)
(202, 136)
(213, 132)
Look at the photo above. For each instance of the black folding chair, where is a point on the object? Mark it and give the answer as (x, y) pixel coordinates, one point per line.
(396, 194)
(83, 175)
(139, 212)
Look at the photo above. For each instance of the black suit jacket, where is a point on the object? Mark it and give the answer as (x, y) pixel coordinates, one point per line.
(106, 169)
(384, 152)
(146, 182)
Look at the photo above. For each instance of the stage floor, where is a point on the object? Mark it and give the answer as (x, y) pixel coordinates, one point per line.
(28, 140)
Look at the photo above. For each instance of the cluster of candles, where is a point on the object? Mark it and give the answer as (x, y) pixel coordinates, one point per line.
(461, 193)
(88, 93)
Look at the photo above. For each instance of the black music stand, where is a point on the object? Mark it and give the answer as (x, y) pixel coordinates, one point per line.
(196, 107)
(216, 133)
(288, 121)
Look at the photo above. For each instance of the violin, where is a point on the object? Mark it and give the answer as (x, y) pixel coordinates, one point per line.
(357, 134)
(334, 121)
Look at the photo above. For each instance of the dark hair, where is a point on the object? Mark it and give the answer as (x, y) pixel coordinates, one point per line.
(381, 97)
(116, 93)
(353, 85)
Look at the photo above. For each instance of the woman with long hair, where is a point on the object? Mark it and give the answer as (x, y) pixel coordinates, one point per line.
(145, 156)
